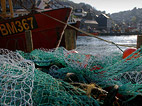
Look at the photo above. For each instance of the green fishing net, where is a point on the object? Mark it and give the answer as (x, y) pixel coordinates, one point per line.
(16, 79)
(21, 84)
(126, 73)
(38, 78)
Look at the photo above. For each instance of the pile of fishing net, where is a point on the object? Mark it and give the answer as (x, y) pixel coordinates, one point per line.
(61, 77)
(16, 79)
(21, 84)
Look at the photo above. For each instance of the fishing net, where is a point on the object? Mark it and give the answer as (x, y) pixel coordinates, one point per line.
(125, 73)
(22, 84)
(40, 77)
(50, 91)
(106, 70)
(16, 79)
(59, 62)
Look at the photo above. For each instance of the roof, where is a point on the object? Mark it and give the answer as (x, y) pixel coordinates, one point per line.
(105, 15)
(77, 19)
(90, 22)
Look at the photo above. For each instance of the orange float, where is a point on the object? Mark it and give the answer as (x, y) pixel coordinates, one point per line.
(129, 51)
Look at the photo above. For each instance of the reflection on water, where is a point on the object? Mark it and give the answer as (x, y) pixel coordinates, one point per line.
(91, 45)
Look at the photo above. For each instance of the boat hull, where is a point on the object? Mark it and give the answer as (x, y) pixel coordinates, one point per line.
(46, 31)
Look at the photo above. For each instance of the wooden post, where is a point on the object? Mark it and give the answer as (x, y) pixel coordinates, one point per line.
(139, 41)
(70, 39)
(29, 41)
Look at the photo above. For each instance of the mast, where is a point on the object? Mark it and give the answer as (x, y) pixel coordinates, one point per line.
(5, 14)
(3, 6)
(11, 8)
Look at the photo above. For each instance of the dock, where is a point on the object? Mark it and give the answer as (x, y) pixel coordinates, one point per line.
(119, 34)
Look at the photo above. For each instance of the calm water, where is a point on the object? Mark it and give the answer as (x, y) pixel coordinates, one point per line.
(91, 45)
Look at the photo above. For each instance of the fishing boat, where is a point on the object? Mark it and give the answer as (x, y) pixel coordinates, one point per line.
(82, 34)
(46, 27)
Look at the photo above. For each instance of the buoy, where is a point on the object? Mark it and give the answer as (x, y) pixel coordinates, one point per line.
(129, 51)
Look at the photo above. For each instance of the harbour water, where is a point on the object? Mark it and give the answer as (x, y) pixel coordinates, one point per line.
(92, 45)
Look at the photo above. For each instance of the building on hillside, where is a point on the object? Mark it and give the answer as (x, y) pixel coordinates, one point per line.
(102, 22)
(79, 13)
(54, 4)
(26, 3)
(89, 23)
(139, 26)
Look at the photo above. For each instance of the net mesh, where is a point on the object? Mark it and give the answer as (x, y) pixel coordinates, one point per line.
(39, 77)
(125, 73)
(22, 84)
(16, 79)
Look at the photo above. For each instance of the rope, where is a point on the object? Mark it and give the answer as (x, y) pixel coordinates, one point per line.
(88, 34)
(61, 37)
(118, 47)
(91, 35)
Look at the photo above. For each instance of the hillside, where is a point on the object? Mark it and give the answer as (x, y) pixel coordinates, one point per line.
(86, 7)
(124, 21)
(130, 16)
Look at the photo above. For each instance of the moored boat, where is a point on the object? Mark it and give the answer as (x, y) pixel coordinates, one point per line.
(82, 34)
(46, 31)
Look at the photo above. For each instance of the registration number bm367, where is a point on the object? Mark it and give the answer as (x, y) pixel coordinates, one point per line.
(18, 26)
